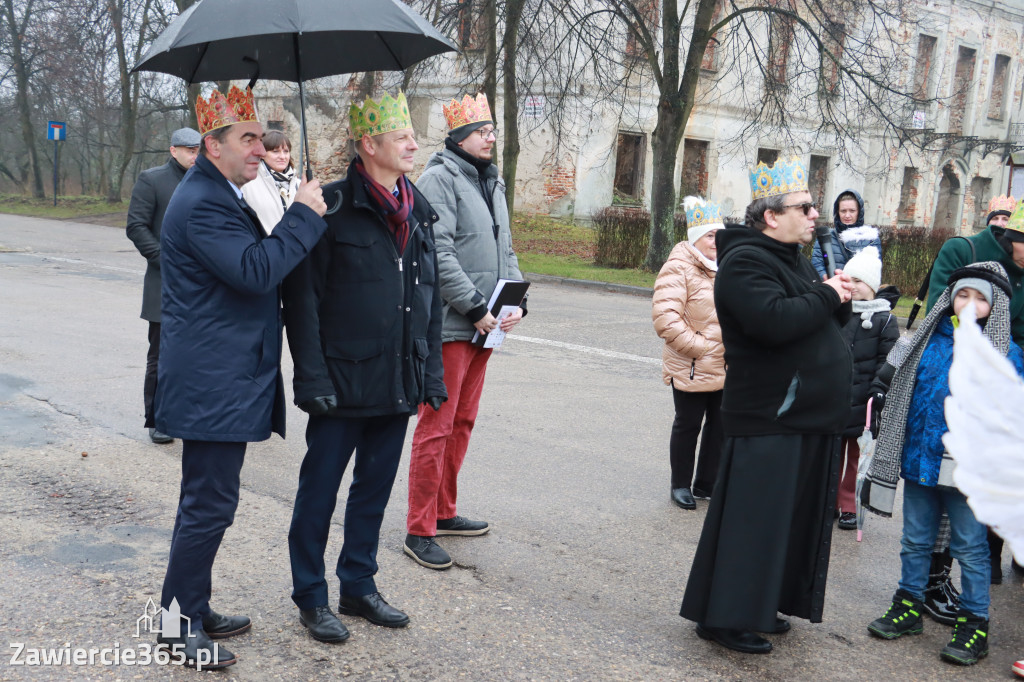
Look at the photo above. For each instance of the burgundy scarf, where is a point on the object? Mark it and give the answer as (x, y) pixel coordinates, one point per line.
(396, 209)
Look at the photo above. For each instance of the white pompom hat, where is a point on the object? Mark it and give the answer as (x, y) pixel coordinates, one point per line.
(866, 266)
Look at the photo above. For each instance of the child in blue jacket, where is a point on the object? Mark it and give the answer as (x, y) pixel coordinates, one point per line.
(909, 446)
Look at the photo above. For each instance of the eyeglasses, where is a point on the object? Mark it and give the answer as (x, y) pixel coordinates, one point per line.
(805, 206)
(484, 133)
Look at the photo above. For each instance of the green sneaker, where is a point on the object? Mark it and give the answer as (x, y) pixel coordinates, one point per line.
(970, 640)
(902, 618)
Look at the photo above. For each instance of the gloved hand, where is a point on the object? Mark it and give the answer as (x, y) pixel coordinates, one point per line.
(435, 402)
(877, 405)
(319, 406)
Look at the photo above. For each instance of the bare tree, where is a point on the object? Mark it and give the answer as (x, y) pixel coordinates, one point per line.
(19, 49)
(831, 67)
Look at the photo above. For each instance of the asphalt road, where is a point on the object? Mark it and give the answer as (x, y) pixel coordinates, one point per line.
(580, 579)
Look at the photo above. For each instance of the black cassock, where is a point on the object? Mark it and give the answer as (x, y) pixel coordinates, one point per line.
(765, 544)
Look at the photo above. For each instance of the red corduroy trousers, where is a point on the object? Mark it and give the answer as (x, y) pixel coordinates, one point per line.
(441, 438)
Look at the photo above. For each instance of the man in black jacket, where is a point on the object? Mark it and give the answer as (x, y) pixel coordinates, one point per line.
(765, 544)
(363, 316)
(149, 200)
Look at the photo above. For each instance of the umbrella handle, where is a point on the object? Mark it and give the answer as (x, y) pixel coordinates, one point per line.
(867, 419)
(337, 204)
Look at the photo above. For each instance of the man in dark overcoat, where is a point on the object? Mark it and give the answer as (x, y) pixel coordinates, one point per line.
(150, 196)
(219, 379)
(363, 315)
(765, 543)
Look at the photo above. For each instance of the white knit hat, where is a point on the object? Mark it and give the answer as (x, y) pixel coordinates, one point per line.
(866, 266)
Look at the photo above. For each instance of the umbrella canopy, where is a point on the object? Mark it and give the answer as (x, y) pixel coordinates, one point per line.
(291, 40)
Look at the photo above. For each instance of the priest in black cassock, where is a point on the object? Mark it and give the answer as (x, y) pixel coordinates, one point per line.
(764, 547)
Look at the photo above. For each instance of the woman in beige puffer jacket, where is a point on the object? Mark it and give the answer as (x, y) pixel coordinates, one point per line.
(693, 359)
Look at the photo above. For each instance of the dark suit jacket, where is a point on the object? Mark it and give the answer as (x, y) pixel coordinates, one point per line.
(150, 196)
(219, 376)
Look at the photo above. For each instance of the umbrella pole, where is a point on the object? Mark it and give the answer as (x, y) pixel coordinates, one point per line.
(305, 138)
(302, 107)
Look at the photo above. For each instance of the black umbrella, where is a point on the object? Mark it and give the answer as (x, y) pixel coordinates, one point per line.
(292, 40)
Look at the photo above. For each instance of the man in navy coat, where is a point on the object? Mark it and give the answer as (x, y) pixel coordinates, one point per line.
(219, 380)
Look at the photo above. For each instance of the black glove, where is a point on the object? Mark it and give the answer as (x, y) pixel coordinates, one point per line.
(877, 405)
(435, 402)
(319, 406)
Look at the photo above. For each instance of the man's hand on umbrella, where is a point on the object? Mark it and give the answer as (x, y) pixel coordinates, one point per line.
(310, 194)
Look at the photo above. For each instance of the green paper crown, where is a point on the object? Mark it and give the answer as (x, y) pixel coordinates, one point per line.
(372, 118)
(1017, 218)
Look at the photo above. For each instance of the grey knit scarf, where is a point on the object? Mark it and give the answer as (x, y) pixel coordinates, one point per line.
(879, 492)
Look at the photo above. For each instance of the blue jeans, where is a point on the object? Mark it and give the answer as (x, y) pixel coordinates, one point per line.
(922, 509)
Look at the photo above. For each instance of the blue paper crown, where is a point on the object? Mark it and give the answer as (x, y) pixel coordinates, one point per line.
(705, 213)
(784, 177)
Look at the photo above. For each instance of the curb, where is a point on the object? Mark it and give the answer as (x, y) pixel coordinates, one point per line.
(591, 284)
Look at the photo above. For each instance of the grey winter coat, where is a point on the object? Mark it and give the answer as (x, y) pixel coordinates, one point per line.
(474, 248)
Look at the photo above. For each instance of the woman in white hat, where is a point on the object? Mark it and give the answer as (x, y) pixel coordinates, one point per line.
(693, 359)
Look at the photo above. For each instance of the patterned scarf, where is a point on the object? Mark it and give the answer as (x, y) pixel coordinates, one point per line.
(396, 209)
(879, 490)
(284, 183)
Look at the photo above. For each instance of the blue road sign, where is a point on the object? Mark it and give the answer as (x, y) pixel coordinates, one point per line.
(56, 131)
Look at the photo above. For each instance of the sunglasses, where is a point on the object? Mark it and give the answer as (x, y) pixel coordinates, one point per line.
(805, 206)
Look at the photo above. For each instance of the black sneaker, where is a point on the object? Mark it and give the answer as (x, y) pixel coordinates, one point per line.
(902, 618)
(970, 640)
(848, 521)
(458, 525)
(426, 552)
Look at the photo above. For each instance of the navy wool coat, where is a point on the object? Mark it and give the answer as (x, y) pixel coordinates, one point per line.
(219, 377)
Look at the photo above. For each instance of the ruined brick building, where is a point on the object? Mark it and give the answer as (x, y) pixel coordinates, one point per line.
(965, 68)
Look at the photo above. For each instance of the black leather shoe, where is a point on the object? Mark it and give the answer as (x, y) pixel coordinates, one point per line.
(700, 493)
(373, 608)
(222, 627)
(426, 552)
(323, 625)
(941, 600)
(684, 498)
(459, 525)
(782, 626)
(197, 651)
(743, 641)
(159, 437)
(848, 521)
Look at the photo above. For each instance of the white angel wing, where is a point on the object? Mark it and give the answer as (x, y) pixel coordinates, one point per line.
(985, 437)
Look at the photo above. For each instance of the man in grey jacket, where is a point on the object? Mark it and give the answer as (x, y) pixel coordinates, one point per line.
(150, 197)
(474, 251)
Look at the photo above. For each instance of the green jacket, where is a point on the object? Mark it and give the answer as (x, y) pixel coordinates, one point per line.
(956, 254)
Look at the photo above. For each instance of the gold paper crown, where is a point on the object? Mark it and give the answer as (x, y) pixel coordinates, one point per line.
(372, 118)
(1003, 203)
(785, 177)
(1017, 218)
(469, 110)
(219, 111)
